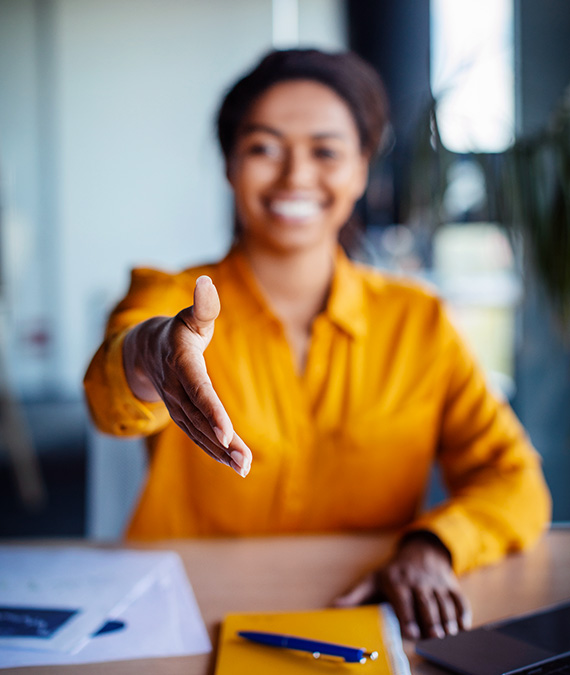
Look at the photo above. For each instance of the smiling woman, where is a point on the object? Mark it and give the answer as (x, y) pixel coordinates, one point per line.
(332, 387)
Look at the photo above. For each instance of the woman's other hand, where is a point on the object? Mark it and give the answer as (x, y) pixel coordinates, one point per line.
(164, 359)
(419, 583)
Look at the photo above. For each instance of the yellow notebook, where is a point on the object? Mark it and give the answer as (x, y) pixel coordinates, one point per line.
(373, 627)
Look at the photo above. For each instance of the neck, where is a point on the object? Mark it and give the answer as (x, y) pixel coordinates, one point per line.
(296, 284)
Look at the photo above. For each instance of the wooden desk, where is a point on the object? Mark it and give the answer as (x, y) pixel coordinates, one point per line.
(293, 573)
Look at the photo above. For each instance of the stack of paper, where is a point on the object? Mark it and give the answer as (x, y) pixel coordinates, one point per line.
(54, 601)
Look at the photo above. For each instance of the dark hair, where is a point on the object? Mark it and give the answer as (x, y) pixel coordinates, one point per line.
(354, 80)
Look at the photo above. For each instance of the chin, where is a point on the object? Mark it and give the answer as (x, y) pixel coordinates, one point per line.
(291, 236)
(297, 242)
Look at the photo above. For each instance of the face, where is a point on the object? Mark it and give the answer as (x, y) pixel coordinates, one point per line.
(297, 168)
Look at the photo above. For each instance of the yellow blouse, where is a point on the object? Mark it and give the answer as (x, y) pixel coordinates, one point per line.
(389, 387)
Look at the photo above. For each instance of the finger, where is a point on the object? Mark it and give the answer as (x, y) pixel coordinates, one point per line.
(462, 609)
(179, 416)
(186, 400)
(199, 390)
(220, 455)
(363, 590)
(179, 399)
(209, 447)
(402, 600)
(237, 455)
(213, 452)
(447, 611)
(240, 454)
(225, 460)
(180, 421)
(427, 612)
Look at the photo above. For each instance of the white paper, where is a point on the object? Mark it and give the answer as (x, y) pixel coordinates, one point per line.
(162, 619)
(393, 641)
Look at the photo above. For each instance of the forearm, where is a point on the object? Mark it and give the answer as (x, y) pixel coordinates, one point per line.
(499, 501)
(495, 512)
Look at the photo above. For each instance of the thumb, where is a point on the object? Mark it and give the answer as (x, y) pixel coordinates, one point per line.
(206, 302)
(358, 594)
(201, 316)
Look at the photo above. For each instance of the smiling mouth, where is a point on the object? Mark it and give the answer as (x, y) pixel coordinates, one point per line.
(295, 209)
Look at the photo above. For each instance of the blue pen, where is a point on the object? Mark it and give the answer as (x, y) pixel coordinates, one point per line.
(316, 647)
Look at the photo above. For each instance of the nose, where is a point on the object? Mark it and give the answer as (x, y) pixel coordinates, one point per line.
(298, 169)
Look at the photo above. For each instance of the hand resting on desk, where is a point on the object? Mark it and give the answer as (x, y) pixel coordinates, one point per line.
(419, 583)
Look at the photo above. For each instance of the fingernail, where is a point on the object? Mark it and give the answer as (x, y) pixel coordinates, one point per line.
(237, 457)
(241, 461)
(452, 628)
(204, 279)
(235, 467)
(437, 631)
(222, 437)
(412, 631)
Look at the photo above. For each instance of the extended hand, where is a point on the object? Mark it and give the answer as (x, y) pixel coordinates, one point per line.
(421, 587)
(164, 358)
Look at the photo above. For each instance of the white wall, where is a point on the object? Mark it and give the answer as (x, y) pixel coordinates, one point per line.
(128, 168)
(22, 265)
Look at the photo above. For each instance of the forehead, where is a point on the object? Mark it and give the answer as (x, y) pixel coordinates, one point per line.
(303, 106)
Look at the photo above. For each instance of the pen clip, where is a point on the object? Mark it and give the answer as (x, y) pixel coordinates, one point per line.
(365, 655)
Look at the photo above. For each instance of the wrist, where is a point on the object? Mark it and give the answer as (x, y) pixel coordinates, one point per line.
(424, 538)
(138, 351)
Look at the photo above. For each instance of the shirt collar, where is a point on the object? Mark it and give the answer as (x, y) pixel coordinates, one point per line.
(346, 307)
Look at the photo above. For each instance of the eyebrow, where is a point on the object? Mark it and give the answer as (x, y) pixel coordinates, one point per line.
(253, 128)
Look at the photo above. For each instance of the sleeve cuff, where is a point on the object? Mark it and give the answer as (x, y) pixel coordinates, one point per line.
(131, 416)
(469, 544)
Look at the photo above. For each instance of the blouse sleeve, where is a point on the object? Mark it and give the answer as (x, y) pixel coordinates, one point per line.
(114, 408)
(498, 499)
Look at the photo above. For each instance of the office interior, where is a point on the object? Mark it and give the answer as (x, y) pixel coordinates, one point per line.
(108, 161)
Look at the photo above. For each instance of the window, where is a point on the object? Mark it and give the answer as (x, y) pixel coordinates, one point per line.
(472, 73)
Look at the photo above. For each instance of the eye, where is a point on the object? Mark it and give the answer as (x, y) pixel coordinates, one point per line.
(325, 153)
(260, 149)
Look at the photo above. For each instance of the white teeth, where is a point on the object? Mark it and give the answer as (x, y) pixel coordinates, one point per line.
(298, 208)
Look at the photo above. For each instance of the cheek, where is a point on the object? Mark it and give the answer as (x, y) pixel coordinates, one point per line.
(249, 184)
(254, 175)
(347, 183)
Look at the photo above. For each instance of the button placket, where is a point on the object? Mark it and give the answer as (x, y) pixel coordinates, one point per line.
(297, 477)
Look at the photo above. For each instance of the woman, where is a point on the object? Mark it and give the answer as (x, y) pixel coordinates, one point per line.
(343, 384)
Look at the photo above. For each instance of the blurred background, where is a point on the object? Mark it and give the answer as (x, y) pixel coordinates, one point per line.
(108, 160)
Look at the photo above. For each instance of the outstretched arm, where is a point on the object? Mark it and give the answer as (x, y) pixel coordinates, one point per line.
(164, 359)
(150, 370)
